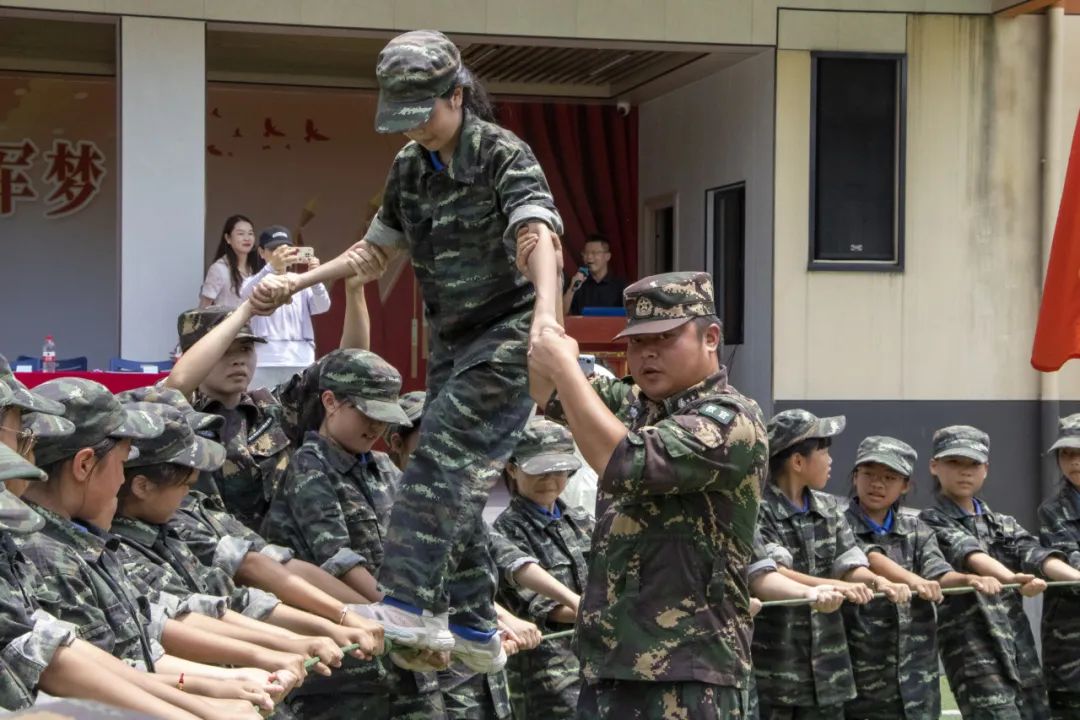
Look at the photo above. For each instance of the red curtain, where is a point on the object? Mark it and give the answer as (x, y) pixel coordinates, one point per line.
(589, 154)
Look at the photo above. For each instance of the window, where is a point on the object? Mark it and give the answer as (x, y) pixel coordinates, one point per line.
(725, 255)
(857, 162)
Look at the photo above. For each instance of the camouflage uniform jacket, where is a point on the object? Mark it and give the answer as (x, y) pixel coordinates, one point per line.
(666, 597)
(29, 636)
(459, 226)
(86, 585)
(893, 647)
(800, 656)
(1059, 528)
(546, 679)
(257, 454)
(981, 635)
(216, 537)
(332, 510)
(163, 562)
(333, 507)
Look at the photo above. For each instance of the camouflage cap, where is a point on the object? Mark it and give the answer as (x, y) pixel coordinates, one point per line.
(413, 70)
(412, 404)
(96, 414)
(890, 452)
(15, 515)
(178, 444)
(14, 466)
(22, 397)
(545, 447)
(1068, 433)
(791, 427)
(660, 303)
(199, 421)
(963, 440)
(47, 426)
(192, 325)
(367, 381)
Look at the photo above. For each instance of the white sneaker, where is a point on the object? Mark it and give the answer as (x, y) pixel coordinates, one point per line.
(484, 657)
(425, 631)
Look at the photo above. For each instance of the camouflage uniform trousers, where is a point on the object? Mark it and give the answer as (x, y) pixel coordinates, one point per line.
(473, 579)
(995, 697)
(1064, 705)
(480, 697)
(638, 700)
(478, 403)
(401, 701)
(804, 712)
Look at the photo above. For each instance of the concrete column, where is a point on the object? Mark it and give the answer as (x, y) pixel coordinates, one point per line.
(162, 179)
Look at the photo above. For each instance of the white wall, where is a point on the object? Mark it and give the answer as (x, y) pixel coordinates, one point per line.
(163, 179)
(716, 132)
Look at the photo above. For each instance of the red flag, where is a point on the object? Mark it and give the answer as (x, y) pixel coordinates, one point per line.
(1057, 336)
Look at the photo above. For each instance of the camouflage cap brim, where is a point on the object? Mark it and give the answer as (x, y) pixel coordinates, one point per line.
(138, 425)
(14, 466)
(201, 454)
(888, 460)
(381, 410)
(966, 452)
(398, 116)
(1069, 441)
(16, 516)
(205, 422)
(31, 402)
(828, 427)
(653, 327)
(550, 462)
(47, 426)
(246, 335)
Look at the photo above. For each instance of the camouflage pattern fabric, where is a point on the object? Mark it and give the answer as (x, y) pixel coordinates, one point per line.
(996, 697)
(477, 403)
(29, 637)
(507, 556)
(546, 680)
(963, 440)
(96, 414)
(459, 227)
(666, 598)
(1068, 433)
(413, 70)
(473, 580)
(1059, 529)
(366, 380)
(792, 427)
(635, 700)
(660, 303)
(333, 507)
(177, 444)
(894, 454)
(800, 656)
(332, 510)
(480, 697)
(86, 586)
(893, 648)
(163, 562)
(405, 700)
(193, 325)
(47, 426)
(257, 453)
(545, 447)
(979, 636)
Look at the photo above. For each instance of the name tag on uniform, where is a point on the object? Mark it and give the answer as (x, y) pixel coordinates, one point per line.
(719, 413)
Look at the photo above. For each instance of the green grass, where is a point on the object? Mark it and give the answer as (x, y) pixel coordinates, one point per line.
(947, 700)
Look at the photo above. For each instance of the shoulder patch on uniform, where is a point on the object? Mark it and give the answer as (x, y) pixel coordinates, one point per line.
(719, 413)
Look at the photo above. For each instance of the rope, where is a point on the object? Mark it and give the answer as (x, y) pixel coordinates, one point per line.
(946, 591)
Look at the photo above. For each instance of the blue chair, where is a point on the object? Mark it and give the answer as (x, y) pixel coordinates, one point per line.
(136, 366)
(24, 360)
(75, 364)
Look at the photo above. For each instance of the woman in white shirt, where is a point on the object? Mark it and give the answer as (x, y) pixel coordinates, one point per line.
(289, 334)
(233, 263)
